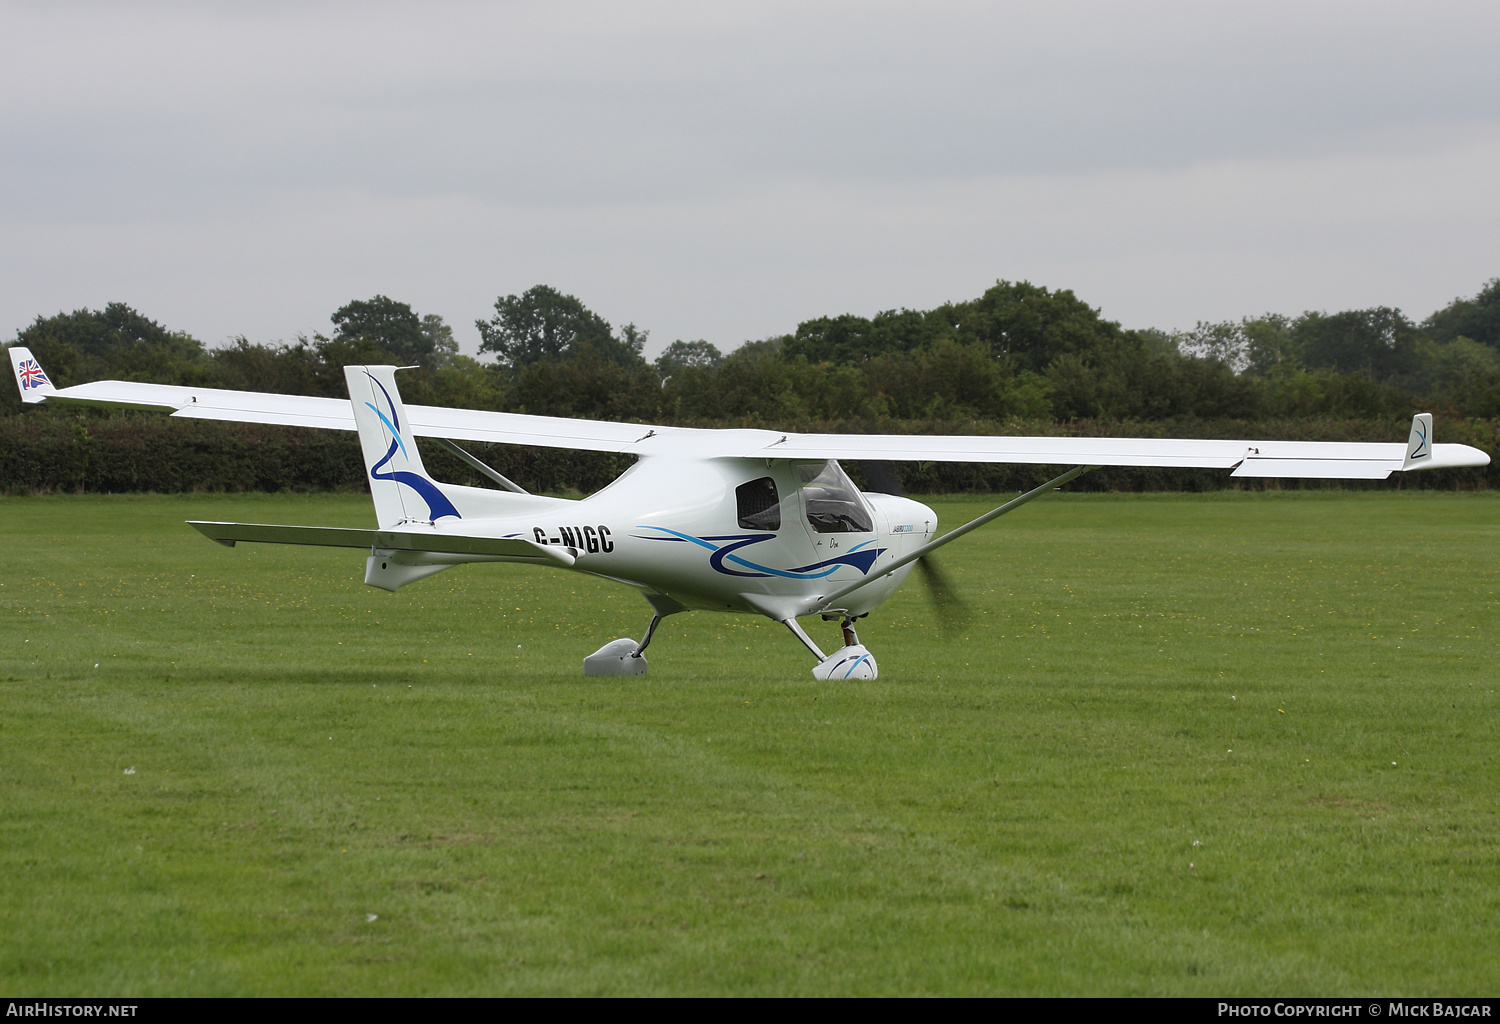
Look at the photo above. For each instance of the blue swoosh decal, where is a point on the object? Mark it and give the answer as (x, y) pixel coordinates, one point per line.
(388, 424)
(438, 505)
(1422, 443)
(861, 560)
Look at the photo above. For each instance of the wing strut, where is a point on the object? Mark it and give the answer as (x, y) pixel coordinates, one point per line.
(952, 535)
(493, 474)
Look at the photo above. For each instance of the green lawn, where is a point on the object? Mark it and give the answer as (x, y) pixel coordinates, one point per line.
(1223, 744)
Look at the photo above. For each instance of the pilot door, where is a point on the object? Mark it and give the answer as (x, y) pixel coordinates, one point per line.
(838, 522)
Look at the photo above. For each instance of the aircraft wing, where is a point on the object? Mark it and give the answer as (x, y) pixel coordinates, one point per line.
(1308, 459)
(426, 420)
(333, 413)
(1316, 459)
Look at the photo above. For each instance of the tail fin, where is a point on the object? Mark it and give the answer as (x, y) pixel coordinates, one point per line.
(34, 385)
(402, 490)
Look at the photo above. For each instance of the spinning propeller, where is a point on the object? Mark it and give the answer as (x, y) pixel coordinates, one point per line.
(953, 611)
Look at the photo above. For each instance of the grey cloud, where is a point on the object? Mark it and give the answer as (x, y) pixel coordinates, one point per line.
(586, 104)
(600, 141)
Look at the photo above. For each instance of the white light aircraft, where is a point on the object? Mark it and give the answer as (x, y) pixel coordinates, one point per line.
(751, 521)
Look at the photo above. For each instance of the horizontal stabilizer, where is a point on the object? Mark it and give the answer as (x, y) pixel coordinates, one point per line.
(517, 548)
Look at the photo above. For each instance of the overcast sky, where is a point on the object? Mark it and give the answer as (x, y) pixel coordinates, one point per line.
(723, 171)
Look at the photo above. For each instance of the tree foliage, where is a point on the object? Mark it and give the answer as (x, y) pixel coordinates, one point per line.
(544, 325)
(383, 328)
(1477, 319)
(114, 343)
(1033, 327)
(687, 355)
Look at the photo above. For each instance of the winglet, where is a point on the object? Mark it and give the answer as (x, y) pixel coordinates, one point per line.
(1419, 443)
(33, 382)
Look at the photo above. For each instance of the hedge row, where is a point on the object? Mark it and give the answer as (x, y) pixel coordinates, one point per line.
(143, 453)
(134, 453)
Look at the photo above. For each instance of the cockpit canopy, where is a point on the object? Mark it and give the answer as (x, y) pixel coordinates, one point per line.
(832, 501)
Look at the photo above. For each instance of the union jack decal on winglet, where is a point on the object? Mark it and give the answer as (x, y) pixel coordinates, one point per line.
(30, 374)
(31, 381)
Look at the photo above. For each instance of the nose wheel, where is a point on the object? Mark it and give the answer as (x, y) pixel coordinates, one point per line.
(852, 661)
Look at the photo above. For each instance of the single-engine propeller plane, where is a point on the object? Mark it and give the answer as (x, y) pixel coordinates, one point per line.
(751, 521)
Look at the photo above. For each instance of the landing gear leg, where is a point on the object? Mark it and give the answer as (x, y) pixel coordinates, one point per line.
(625, 657)
(851, 638)
(646, 640)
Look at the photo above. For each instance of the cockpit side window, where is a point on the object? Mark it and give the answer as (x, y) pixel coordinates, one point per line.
(833, 502)
(759, 505)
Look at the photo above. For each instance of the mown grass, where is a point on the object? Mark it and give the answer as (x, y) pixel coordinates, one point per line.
(1222, 744)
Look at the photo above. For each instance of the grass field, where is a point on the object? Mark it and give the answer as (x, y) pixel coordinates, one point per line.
(1222, 744)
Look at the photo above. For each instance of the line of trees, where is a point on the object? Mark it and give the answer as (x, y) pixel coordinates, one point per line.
(1019, 358)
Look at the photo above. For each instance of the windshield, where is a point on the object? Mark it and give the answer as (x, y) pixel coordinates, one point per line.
(833, 503)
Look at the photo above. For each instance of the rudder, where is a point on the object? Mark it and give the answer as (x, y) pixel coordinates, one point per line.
(402, 490)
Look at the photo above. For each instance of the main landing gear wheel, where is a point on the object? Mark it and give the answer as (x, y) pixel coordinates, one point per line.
(616, 658)
(622, 657)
